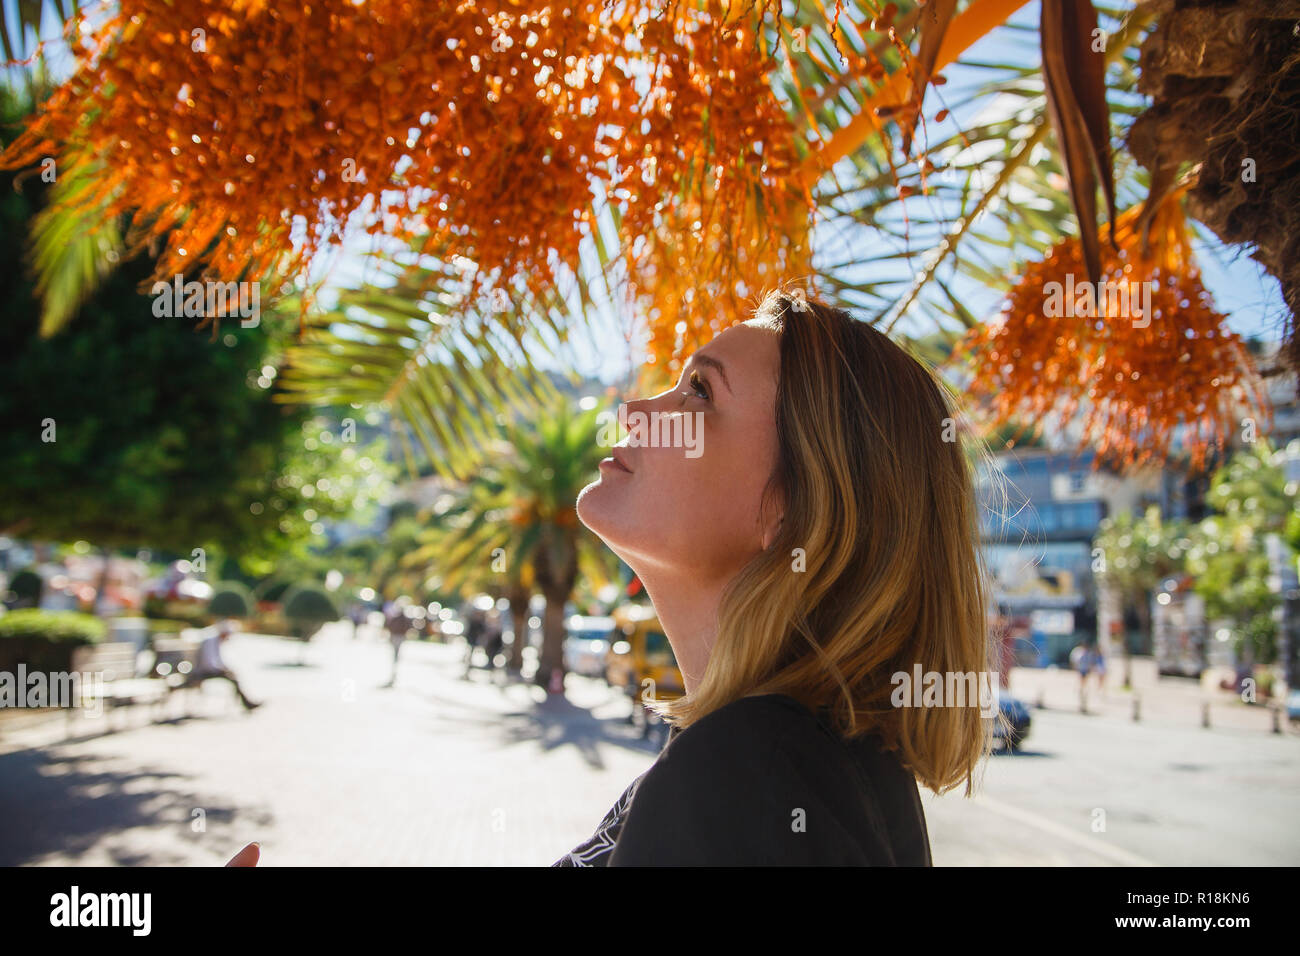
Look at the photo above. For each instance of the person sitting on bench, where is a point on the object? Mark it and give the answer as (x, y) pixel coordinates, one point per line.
(211, 665)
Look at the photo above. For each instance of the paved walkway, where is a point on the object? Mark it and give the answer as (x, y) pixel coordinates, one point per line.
(336, 769)
(333, 769)
(1161, 701)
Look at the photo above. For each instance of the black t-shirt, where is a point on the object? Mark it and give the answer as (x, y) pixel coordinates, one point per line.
(759, 782)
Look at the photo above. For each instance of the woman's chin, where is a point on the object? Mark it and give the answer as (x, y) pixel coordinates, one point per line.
(606, 513)
(594, 506)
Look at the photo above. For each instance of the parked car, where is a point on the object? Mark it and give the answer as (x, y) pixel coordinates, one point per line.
(586, 644)
(1017, 716)
(1293, 705)
(641, 654)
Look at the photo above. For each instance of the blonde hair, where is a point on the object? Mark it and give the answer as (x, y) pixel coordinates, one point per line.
(879, 500)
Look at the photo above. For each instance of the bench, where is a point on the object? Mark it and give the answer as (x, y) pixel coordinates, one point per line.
(175, 659)
(114, 664)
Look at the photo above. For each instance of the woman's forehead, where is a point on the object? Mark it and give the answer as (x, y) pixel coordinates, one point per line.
(750, 354)
(744, 341)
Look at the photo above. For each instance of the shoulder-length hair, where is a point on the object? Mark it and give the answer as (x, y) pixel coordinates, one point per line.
(876, 567)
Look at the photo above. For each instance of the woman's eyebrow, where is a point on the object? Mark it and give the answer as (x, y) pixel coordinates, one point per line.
(711, 362)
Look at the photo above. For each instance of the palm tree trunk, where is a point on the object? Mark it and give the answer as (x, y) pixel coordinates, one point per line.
(1143, 607)
(519, 612)
(552, 657)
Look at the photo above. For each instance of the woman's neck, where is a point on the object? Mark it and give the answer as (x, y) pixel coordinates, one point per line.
(688, 614)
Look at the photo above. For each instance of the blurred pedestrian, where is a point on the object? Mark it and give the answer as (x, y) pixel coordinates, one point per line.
(210, 663)
(397, 623)
(494, 637)
(1097, 665)
(1243, 672)
(1087, 660)
(475, 632)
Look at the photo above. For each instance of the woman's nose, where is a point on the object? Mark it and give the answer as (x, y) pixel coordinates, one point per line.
(635, 417)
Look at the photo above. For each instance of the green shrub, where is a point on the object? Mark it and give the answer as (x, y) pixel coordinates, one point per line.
(306, 608)
(45, 640)
(274, 592)
(53, 626)
(231, 599)
(27, 586)
(193, 613)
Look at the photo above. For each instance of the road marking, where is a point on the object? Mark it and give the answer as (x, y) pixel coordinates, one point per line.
(1122, 857)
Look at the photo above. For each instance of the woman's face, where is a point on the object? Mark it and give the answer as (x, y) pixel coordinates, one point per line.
(694, 509)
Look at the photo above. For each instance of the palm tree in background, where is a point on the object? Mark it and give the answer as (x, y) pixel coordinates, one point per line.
(466, 548)
(513, 529)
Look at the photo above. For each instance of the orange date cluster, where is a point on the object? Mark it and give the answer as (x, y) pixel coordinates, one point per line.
(1144, 384)
(245, 134)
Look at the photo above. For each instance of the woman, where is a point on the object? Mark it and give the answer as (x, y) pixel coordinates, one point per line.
(821, 547)
(818, 541)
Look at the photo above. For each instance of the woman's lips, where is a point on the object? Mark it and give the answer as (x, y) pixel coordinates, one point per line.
(614, 463)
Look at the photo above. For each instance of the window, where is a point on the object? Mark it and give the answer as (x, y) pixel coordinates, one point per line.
(1050, 517)
(658, 652)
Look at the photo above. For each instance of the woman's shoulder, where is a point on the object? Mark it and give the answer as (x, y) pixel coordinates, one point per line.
(758, 781)
(767, 743)
(763, 709)
(759, 724)
(747, 729)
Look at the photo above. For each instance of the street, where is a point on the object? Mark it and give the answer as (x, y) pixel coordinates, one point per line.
(337, 770)
(1167, 796)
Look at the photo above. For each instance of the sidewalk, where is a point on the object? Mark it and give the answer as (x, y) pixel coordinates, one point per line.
(1161, 701)
(334, 769)
(337, 770)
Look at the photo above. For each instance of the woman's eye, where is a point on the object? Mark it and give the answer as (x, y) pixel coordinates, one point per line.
(701, 387)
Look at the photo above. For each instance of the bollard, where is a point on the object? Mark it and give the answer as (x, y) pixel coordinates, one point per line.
(1205, 713)
(1137, 708)
(1277, 719)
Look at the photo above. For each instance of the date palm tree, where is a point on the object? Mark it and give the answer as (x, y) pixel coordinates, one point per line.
(513, 529)
(998, 170)
(985, 186)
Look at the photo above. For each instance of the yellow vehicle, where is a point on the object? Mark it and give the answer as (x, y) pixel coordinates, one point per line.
(641, 662)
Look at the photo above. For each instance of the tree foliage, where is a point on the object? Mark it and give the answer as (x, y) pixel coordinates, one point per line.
(1138, 553)
(1230, 558)
(515, 528)
(131, 430)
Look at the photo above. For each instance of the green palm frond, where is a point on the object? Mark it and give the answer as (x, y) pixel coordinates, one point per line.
(519, 508)
(897, 237)
(449, 370)
(459, 546)
(74, 247)
(27, 16)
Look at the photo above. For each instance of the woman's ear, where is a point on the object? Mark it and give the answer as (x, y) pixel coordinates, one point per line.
(771, 529)
(771, 514)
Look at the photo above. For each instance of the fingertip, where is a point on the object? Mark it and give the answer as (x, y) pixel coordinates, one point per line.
(248, 856)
